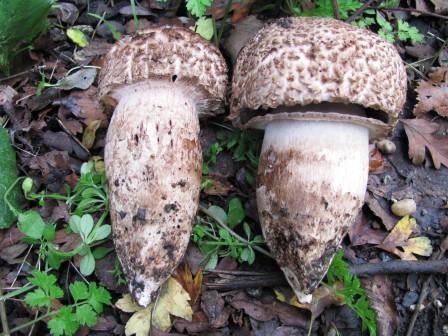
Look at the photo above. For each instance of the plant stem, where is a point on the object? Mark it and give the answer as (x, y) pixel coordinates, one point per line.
(29, 323)
(3, 316)
(224, 19)
(16, 292)
(234, 234)
(5, 197)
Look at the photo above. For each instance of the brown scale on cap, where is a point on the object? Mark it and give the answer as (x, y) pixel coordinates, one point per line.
(325, 60)
(319, 87)
(158, 82)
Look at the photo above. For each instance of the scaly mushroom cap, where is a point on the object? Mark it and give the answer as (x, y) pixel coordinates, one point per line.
(309, 60)
(174, 54)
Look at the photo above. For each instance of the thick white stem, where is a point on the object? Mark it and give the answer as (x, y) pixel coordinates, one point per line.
(312, 179)
(153, 165)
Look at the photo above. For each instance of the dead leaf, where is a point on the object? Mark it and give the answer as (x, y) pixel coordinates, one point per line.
(10, 237)
(361, 233)
(213, 306)
(433, 94)
(185, 278)
(421, 135)
(382, 300)
(441, 6)
(220, 186)
(399, 243)
(88, 138)
(11, 253)
(376, 160)
(85, 104)
(173, 299)
(383, 213)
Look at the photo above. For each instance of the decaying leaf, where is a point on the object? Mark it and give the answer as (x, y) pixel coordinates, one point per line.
(88, 138)
(433, 94)
(399, 243)
(421, 135)
(173, 299)
(376, 160)
(361, 233)
(218, 186)
(191, 285)
(382, 300)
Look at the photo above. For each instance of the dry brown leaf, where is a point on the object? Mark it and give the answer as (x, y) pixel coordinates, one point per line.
(421, 135)
(361, 233)
(376, 160)
(382, 300)
(220, 186)
(192, 286)
(85, 104)
(399, 243)
(433, 93)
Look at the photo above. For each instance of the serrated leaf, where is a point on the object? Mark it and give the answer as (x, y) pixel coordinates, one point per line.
(64, 323)
(31, 224)
(204, 27)
(140, 323)
(198, 7)
(77, 37)
(79, 291)
(8, 176)
(85, 315)
(37, 298)
(127, 305)
(98, 296)
(433, 93)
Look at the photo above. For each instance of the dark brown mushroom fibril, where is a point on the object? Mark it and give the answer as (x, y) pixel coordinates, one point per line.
(320, 88)
(158, 83)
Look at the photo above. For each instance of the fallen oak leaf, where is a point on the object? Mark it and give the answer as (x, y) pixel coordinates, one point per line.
(433, 94)
(421, 135)
(399, 238)
(173, 299)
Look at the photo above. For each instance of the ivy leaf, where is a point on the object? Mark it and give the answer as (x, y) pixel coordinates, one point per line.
(198, 7)
(7, 177)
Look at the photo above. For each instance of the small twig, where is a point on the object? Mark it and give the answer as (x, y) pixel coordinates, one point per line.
(401, 266)
(3, 317)
(425, 288)
(360, 10)
(234, 234)
(336, 15)
(412, 10)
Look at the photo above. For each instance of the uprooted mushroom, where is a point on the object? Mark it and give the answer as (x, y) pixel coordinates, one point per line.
(158, 82)
(320, 88)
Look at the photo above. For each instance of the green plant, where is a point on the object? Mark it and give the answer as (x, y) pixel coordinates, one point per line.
(89, 195)
(21, 21)
(115, 33)
(117, 272)
(88, 302)
(351, 293)
(216, 238)
(323, 8)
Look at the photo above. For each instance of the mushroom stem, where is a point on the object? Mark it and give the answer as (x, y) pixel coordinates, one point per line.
(312, 178)
(153, 165)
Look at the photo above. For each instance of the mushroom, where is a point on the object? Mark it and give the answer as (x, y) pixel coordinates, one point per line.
(158, 82)
(320, 88)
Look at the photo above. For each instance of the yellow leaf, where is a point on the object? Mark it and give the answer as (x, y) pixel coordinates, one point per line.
(77, 37)
(88, 138)
(279, 295)
(398, 242)
(139, 323)
(173, 300)
(127, 305)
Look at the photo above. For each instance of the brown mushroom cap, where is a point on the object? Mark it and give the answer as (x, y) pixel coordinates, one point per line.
(309, 60)
(168, 53)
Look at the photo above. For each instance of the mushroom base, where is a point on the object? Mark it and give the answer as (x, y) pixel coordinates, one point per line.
(153, 165)
(312, 178)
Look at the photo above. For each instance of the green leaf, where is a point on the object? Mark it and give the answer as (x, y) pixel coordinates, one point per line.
(27, 185)
(198, 7)
(31, 224)
(247, 230)
(98, 296)
(218, 212)
(8, 173)
(21, 21)
(87, 264)
(101, 252)
(37, 298)
(79, 291)
(49, 232)
(85, 226)
(75, 223)
(204, 27)
(64, 323)
(236, 212)
(77, 37)
(86, 315)
(102, 232)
